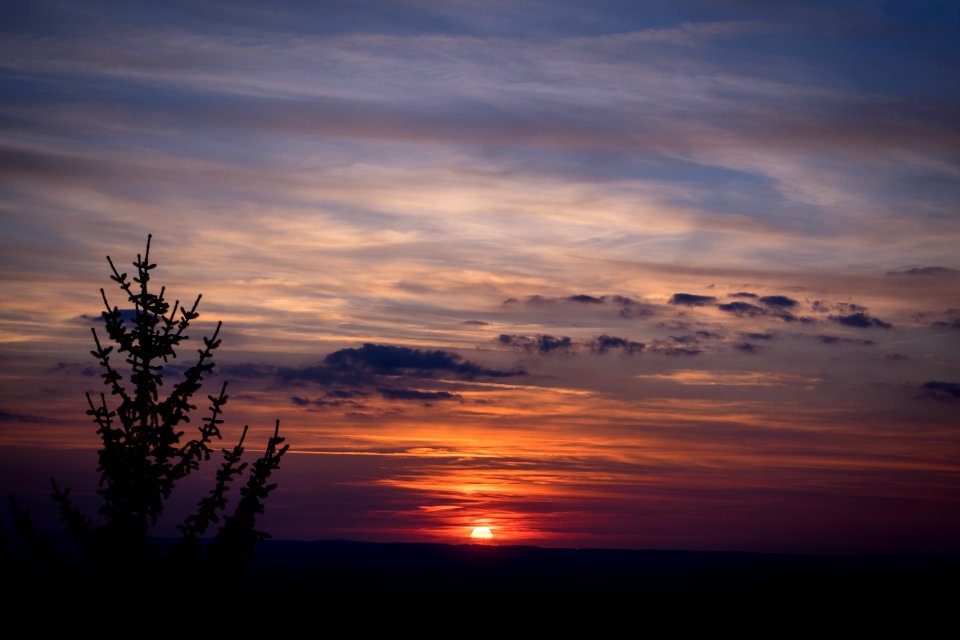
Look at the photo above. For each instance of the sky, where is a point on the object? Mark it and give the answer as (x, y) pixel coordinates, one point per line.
(612, 274)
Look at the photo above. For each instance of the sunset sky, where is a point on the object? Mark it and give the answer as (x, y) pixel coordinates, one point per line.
(677, 275)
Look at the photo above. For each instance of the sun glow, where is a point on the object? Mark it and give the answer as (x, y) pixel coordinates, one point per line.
(481, 533)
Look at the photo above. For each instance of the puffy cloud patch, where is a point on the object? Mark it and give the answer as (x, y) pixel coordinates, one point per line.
(786, 316)
(742, 309)
(605, 343)
(128, 316)
(826, 306)
(350, 375)
(778, 302)
(691, 300)
(324, 402)
(538, 343)
(625, 306)
(828, 339)
(563, 344)
(946, 324)
(861, 320)
(938, 390)
(389, 359)
(416, 395)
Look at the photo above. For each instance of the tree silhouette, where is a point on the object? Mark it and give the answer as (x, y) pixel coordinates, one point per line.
(144, 453)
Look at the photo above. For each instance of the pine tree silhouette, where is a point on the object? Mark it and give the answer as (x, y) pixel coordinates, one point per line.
(144, 453)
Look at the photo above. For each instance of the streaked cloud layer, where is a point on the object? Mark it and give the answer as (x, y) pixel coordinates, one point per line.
(668, 274)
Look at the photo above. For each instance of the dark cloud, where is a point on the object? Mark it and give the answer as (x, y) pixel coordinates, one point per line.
(786, 316)
(779, 302)
(416, 395)
(128, 316)
(7, 416)
(747, 347)
(538, 299)
(696, 337)
(674, 325)
(742, 309)
(825, 306)
(743, 294)
(538, 343)
(564, 344)
(946, 324)
(71, 368)
(604, 343)
(631, 308)
(626, 307)
(938, 390)
(349, 372)
(548, 344)
(678, 351)
(352, 398)
(849, 307)
(774, 306)
(389, 359)
(321, 374)
(708, 335)
(861, 320)
(759, 336)
(323, 402)
(691, 300)
(477, 323)
(925, 271)
(828, 339)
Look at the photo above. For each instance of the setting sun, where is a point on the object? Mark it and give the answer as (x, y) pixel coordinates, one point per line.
(481, 533)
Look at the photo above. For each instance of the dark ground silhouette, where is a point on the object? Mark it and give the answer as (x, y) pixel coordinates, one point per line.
(345, 568)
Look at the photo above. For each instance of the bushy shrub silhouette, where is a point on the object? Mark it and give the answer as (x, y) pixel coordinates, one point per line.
(144, 452)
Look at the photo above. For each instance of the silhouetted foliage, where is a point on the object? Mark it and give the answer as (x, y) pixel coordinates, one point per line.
(37, 544)
(143, 451)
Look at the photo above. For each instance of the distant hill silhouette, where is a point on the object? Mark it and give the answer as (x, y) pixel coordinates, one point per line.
(356, 568)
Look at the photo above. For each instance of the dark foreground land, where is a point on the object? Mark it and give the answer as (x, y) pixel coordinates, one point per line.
(431, 569)
(341, 570)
